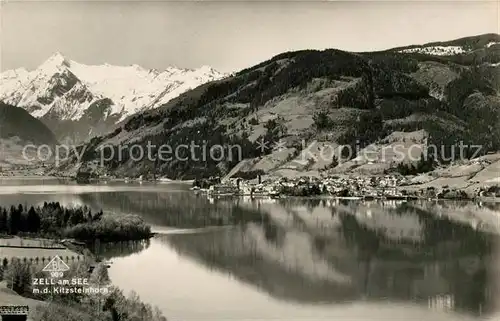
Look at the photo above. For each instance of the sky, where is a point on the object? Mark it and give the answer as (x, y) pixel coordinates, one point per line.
(227, 35)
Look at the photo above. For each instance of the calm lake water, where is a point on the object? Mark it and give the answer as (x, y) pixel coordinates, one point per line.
(294, 259)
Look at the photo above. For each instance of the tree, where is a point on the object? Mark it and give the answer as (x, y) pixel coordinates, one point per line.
(76, 217)
(253, 121)
(109, 305)
(3, 220)
(424, 165)
(97, 216)
(13, 220)
(66, 217)
(60, 312)
(100, 275)
(18, 277)
(33, 220)
(274, 131)
(321, 120)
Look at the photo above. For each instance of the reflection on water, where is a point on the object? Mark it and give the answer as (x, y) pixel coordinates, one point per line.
(108, 251)
(318, 251)
(304, 259)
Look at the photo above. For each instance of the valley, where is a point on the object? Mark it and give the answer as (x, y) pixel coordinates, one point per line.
(249, 160)
(428, 114)
(346, 166)
(397, 112)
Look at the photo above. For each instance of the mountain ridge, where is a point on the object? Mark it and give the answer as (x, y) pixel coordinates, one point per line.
(61, 90)
(439, 96)
(375, 99)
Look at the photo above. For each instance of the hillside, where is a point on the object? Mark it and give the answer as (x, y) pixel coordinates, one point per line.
(80, 101)
(305, 101)
(17, 129)
(16, 121)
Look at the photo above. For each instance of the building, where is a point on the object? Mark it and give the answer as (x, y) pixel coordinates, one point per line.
(222, 189)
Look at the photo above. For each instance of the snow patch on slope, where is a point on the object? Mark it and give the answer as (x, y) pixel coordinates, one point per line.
(492, 43)
(436, 50)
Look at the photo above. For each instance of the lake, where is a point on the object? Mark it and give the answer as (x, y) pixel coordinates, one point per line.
(293, 259)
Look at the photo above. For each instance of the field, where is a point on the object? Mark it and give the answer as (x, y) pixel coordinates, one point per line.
(31, 249)
(27, 242)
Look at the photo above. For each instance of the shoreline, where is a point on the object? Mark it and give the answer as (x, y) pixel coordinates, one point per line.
(206, 192)
(489, 199)
(365, 187)
(361, 198)
(98, 180)
(33, 177)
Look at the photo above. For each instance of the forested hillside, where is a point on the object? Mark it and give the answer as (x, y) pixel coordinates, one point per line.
(448, 90)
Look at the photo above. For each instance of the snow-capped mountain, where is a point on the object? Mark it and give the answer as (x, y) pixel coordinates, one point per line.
(66, 90)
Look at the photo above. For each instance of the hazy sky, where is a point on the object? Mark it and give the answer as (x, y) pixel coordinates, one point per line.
(228, 35)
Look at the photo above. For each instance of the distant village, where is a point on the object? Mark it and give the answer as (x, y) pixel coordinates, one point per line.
(362, 187)
(392, 186)
(353, 187)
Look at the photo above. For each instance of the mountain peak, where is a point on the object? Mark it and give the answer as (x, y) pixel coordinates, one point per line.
(57, 56)
(54, 63)
(66, 88)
